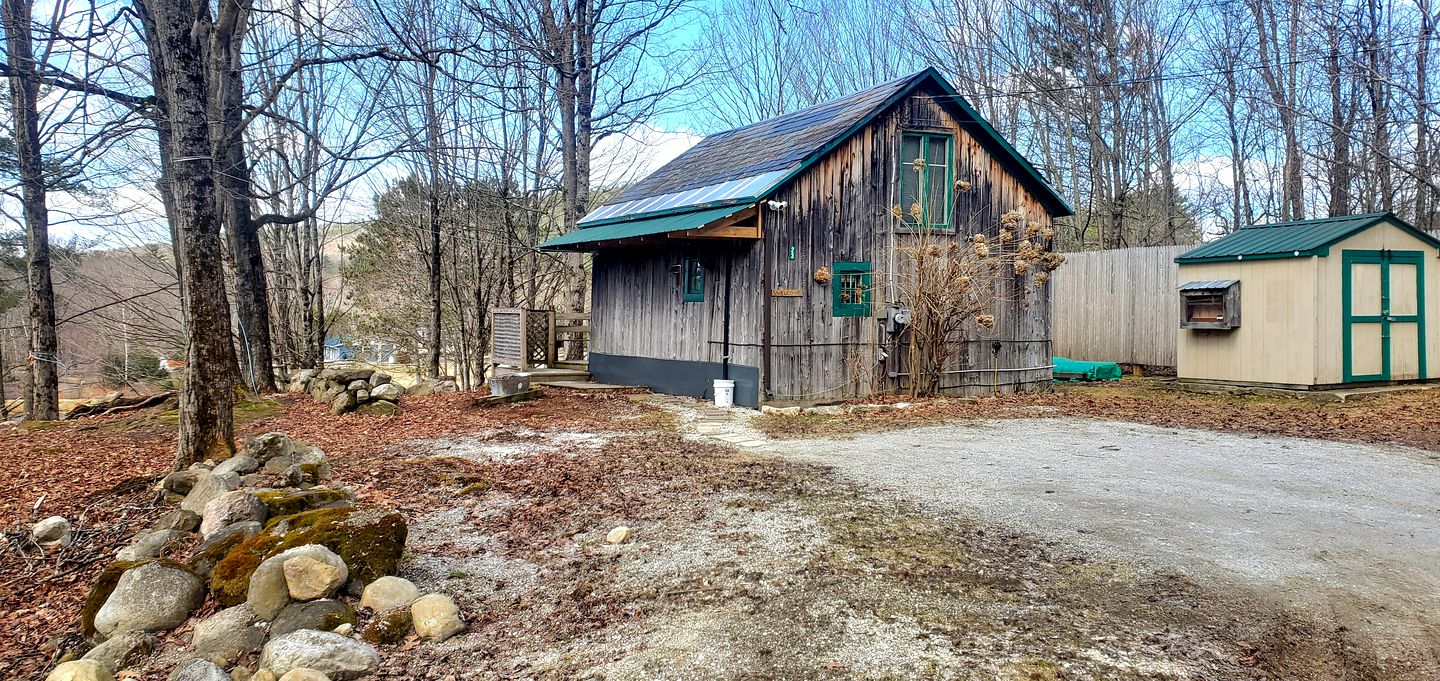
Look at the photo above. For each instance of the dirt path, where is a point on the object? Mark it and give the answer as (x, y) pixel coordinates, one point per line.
(1336, 530)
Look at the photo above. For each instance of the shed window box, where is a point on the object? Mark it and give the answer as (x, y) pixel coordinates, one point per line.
(1210, 304)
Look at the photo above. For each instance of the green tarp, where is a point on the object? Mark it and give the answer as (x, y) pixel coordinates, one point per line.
(1074, 370)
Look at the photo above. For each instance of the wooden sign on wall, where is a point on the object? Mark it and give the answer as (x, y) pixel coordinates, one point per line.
(787, 293)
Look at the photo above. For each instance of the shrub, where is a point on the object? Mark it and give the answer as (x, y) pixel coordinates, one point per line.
(143, 368)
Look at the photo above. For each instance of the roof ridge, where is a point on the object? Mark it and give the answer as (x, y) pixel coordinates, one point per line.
(1315, 221)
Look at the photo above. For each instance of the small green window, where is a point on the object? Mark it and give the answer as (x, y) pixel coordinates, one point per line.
(926, 179)
(850, 288)
(693, 287)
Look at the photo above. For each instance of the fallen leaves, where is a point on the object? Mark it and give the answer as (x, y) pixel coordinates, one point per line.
(1406, 418)
(99, 473)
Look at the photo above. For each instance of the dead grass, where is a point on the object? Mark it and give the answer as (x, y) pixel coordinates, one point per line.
(99, 472)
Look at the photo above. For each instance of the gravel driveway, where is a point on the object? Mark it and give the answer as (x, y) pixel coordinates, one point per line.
(1337, 525)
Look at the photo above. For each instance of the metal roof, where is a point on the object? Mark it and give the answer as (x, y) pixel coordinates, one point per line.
(1209, 285)
(1298, 238)
(581, 239)
(744, 165)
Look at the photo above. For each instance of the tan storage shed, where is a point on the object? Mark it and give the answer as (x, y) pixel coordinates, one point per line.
(1312, 304)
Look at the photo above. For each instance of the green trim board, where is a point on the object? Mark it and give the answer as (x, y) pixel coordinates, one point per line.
(1047, 193)
(1384, 259)
(692, 281)
(584, 237)
(850, 289)
(1008, 155)
(1294, 239)
(969, 119)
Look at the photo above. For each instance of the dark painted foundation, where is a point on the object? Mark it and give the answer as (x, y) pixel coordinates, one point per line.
(676, 377)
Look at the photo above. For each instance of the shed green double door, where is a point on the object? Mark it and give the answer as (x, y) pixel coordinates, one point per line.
(1384, 315)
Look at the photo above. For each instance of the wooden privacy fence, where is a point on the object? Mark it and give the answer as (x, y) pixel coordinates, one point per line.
(1118, 306)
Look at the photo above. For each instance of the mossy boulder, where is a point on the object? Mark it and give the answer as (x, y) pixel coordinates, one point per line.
(480, 487)
(379, 408)
(321, 615)
(283, 502)
(370, 541)
(100, 592)
(390, 628)
(208, 554)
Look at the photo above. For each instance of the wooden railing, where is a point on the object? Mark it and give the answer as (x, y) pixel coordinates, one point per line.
(572, 337)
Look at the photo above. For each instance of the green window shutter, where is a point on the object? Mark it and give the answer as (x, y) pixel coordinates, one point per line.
(927, 179)
(693, 286)
(850, 289)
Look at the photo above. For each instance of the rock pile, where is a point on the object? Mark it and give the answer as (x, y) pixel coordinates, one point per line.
(281, 552)
(348, 389)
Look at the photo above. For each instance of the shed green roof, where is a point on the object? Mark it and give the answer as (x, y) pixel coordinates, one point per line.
(1294, 239)
(586, 237)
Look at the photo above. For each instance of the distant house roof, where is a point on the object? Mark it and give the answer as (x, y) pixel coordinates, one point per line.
(743, 165)
(1297, 238)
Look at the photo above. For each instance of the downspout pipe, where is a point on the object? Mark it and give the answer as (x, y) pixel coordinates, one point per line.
(725, 344)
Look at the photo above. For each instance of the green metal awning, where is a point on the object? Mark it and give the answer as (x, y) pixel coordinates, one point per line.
(586, 238)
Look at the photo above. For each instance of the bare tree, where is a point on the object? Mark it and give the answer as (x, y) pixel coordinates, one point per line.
(42, 398)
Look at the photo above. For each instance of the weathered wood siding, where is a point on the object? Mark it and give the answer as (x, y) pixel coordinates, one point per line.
(1118, 305)
(637, 307)
(839, 210)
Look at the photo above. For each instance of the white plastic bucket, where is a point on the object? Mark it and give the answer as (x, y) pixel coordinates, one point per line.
(724, 393)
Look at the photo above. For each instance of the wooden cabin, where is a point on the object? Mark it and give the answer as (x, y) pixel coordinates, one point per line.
(1311, 304)
(767, 254)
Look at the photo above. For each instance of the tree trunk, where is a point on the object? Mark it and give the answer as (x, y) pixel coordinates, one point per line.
(175, 31)
(252, 303)
(43, 399)
(1425, 197)
(432, 142)
(1339, 129)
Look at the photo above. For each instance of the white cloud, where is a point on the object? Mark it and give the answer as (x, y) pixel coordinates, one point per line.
(623, 159)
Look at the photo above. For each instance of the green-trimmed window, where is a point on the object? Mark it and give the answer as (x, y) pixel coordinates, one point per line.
(692, 287)
(850, 289)
(926, 179)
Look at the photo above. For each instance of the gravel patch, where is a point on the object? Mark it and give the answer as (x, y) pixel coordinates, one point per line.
(451, 555)
(509, 444)
(1346, 532)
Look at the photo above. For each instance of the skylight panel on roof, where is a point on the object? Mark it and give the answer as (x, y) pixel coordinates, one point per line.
(730, 190)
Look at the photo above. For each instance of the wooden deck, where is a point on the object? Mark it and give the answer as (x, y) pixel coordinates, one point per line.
(566, 376)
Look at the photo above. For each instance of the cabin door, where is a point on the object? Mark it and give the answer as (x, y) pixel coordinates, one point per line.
(1383, 317)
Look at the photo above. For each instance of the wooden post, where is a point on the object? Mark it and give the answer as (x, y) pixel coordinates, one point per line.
(551, 353)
